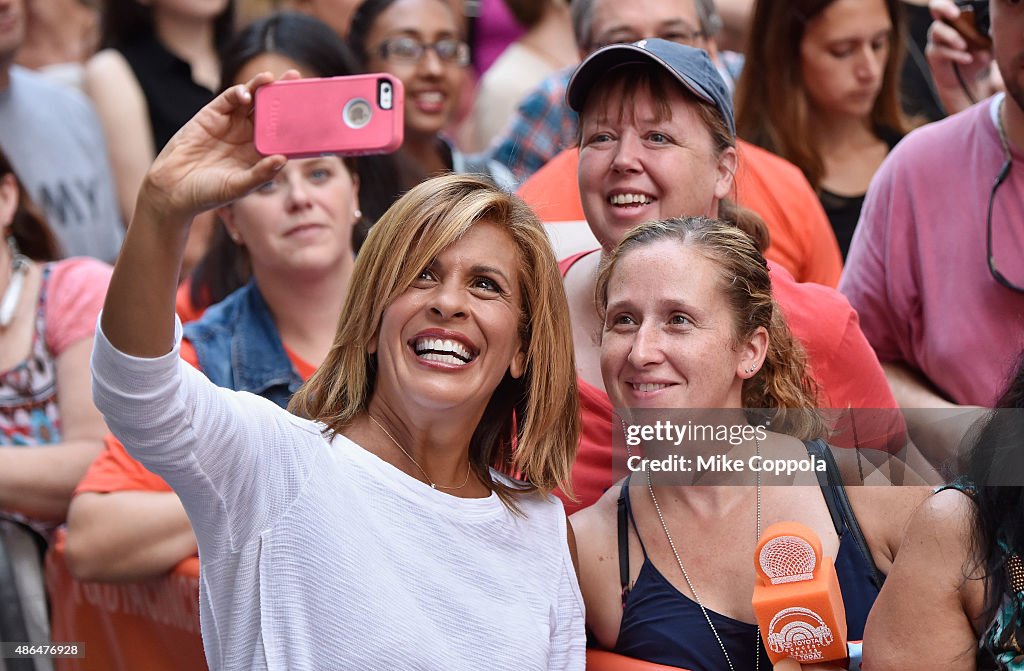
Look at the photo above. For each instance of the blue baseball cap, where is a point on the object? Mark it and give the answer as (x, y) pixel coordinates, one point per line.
(691, 67)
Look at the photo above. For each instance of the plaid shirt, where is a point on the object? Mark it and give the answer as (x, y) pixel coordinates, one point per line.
(541, 128)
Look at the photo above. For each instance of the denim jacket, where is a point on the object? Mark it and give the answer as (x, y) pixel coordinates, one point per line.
(239, 347)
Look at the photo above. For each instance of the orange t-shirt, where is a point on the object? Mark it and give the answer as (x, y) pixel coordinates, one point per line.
(802, 240)
(114, 470)
(187, 312)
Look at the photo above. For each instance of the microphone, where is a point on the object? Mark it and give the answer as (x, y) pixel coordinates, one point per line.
(797, 600)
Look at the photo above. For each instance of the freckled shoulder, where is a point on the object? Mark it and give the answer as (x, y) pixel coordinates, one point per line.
(596, 530)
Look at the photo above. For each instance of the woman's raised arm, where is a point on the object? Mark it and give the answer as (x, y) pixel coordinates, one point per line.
(209, 162)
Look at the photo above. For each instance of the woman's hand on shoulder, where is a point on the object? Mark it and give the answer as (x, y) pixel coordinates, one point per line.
(211, 160)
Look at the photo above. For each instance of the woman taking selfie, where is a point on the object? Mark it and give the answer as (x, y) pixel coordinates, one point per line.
(356, 537)
(292, 243)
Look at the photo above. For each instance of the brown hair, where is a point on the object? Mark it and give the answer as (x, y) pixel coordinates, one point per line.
(782, 386)
(28, 227)
(530, 428)
(772, 107)
(527, 13)
(616, 91)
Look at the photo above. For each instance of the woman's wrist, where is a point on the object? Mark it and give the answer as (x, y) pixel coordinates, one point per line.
(155, 207)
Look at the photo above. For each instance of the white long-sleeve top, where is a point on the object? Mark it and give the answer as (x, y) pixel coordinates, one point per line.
(317, 554)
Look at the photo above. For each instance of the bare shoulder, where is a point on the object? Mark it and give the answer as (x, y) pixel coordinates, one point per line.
(945, 517)
(593, 524)
(108, 69)
(884, 513)
(923, 618)
(597, 541)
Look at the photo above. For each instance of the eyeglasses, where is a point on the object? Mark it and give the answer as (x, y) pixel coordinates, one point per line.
(996, 275)
(411, 50)
(690, 38)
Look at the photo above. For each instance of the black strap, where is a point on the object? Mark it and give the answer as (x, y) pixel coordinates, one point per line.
(815, 448)
(838, 502)
(623, 543)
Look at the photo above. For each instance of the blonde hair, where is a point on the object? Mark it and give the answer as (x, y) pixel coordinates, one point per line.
(782, 384)
(530, 428)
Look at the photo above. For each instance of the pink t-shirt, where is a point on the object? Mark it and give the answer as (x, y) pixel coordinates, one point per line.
(75, 295)
(917, 271)
(66, 310)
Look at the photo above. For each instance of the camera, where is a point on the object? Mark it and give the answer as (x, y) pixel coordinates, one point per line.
(973, 23)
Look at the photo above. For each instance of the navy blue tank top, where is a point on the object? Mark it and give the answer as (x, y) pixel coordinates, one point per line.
(660, 624)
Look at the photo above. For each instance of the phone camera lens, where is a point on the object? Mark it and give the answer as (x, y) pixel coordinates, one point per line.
(357, 113)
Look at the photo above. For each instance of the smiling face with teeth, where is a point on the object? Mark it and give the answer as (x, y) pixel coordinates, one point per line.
(649, 158)
(670, 338)
(432, 86)
(447, 341)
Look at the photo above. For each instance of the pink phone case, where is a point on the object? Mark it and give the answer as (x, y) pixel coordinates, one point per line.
(351, 116)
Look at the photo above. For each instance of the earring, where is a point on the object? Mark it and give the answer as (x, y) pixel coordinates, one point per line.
(357, 214)
(751, 370)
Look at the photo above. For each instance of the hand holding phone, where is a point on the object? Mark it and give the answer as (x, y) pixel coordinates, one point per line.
(347, 116)
(973, 23)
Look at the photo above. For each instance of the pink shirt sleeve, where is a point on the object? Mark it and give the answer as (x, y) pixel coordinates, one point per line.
(74, 296)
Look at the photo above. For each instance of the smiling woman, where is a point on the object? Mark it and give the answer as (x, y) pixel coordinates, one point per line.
(399, 506)
(420, 42)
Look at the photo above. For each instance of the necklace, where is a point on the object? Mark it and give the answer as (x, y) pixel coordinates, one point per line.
(686, 576)
(433, 485)
(9, 302)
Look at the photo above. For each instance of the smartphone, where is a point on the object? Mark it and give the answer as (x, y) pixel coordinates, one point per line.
(973, 23)
(349, 116)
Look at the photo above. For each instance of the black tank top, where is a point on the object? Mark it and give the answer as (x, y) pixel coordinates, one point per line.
(660, 624)
(166, 81)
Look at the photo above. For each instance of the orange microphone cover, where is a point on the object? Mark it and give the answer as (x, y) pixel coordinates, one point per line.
(797, 600)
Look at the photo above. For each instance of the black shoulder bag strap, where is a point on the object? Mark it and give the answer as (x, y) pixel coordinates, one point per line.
(623, 521)
(838, 503)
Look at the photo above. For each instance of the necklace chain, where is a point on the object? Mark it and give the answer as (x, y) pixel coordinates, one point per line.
(686, 576)
(433, 485)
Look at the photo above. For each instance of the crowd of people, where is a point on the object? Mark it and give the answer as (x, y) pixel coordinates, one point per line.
(392, 419)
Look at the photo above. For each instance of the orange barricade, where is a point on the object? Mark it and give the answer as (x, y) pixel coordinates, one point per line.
(602, 660)
(151, 625)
